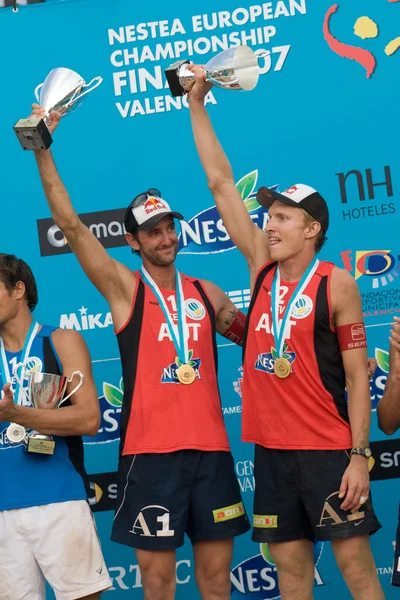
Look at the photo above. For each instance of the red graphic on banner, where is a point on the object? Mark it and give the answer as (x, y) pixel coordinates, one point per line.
(363, 57)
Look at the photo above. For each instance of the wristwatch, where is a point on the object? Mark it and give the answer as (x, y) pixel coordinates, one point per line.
(361, 452)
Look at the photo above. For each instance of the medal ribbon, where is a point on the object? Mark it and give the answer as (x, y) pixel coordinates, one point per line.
(280, 326)
(177, 333)
(4, 366)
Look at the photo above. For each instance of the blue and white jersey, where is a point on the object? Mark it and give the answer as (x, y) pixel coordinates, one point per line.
(29, 479)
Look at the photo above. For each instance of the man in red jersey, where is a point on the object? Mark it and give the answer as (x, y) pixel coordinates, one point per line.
(305, 342)
(176, 473)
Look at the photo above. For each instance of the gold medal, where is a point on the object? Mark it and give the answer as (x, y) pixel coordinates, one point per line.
(186, 374)
(282, 368)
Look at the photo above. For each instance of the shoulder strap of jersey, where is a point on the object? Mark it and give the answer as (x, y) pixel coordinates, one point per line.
(257, 286)
(46, 330)
(325, 268)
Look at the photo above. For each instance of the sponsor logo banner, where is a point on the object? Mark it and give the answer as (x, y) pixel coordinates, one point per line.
(102, 494)
(386, 454)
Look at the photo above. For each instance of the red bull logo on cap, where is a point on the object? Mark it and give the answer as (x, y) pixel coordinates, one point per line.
(153, 204)
(291, 190)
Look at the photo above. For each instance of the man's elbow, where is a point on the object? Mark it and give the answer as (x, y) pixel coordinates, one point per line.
(69, 226)
(388, 427)
(91, 425)
(218, 182)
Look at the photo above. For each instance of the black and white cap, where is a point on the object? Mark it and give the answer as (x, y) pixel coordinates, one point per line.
(301, 196)
(146, 211)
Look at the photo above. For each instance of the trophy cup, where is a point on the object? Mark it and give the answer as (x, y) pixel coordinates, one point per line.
(46, 391)
(60, 91)
(233, 69)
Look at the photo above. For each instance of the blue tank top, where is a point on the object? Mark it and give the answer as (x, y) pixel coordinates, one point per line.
(27, 479)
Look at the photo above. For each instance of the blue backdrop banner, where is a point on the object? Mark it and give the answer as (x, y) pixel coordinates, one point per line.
(324, 113)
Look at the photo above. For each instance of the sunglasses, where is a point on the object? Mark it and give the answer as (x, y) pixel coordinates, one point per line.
(143, 197)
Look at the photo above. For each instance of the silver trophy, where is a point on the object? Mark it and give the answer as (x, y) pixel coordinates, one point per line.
(46, 391)
(62, 90)
(234, 69)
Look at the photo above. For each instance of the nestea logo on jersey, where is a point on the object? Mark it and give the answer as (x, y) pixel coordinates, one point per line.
(257, 577)
(169, 373)
(110, 407)
(205, 233)
(265, 362)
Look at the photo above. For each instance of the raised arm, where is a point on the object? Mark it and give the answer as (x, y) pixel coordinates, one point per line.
(389, 405)
(113, 280)
(250, 239)
(83, 416)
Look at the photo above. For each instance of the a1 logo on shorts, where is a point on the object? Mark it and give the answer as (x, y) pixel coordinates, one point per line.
(332, 514)
(153, 521)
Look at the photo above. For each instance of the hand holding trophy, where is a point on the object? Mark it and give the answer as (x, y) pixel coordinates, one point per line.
(46, 391)
(234, 69)
(60, 94)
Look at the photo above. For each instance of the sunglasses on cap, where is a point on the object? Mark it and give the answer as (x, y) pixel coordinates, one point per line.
(144, 195)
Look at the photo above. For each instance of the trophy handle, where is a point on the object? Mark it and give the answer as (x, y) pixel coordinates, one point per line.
(20, 383)
(37, 88)
(74, 99)
(76, 388)
(260, 53)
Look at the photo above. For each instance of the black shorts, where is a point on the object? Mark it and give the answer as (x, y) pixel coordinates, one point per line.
(297, 497)
(163, 496)
(396, 564)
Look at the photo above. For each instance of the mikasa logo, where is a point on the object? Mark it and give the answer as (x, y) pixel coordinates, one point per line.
(84, 321)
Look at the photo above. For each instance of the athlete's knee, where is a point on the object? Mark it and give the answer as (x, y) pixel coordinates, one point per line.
(158, 585)
(158, 574)
(355, 560)
(295, 565)
(293, 557)
(355, 571)
(213, 579)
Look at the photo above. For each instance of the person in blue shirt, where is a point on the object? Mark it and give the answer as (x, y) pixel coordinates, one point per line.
(47, 529)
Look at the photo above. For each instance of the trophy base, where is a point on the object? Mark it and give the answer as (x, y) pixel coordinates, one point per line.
(33, 134)
(172, 75)
(40, 445)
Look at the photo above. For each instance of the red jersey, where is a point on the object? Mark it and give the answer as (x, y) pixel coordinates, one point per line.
(308, 409)
(160, 414)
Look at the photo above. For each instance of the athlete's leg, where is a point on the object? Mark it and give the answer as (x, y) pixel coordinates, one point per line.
(354, 558)
(157, 568)
(295, 565)
(212, 561)
(151, 516)
(281, 521)
(20, 575)
(67, 549)
(348, 531)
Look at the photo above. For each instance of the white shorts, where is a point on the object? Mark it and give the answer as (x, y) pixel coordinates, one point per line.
(57, 542)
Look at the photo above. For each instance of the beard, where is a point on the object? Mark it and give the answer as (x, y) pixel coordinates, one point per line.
(158, 259)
